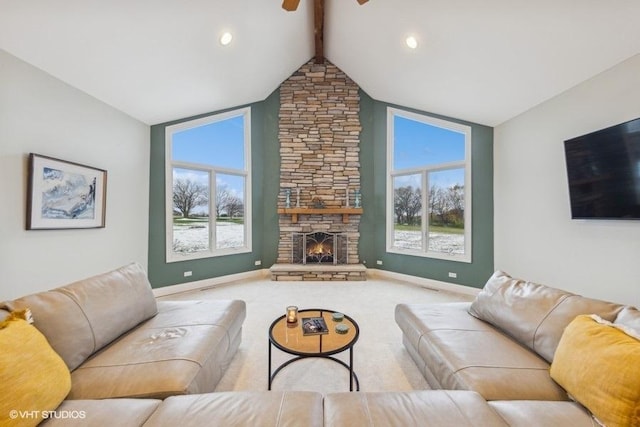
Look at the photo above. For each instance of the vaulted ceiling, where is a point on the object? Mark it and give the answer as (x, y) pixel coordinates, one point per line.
(160, 60)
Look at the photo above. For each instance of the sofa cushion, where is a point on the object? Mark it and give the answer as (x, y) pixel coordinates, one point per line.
(241, 409)
(182, 350)
(534, 315)
(543, 414)
(597, 363)
(33, 378)
(106, 412)
(81, 318)
(69, 334)
(432, 408)
(459, 352)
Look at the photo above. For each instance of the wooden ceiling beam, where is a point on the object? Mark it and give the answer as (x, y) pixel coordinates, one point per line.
(318, 24)
(318, 30)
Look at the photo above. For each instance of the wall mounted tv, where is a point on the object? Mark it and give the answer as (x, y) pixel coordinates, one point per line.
(603, 170)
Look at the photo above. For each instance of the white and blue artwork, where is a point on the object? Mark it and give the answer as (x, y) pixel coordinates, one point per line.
(68, 195)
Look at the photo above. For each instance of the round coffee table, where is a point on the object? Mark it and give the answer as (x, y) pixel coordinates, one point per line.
(292, 340)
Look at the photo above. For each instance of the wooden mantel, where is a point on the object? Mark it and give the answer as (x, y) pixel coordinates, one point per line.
(345, 212)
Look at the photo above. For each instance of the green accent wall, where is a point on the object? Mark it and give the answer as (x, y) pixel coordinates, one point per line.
(265, 157)
(265, 161)
(473, 274)
(369, 226)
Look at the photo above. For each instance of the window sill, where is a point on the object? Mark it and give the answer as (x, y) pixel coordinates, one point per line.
(206, 254)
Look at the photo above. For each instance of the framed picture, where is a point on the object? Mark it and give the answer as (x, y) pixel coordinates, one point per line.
(64, 194)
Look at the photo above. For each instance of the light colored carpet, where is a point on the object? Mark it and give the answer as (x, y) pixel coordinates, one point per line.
(380, 360)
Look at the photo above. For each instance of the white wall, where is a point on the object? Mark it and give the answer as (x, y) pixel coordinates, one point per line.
(41, 114)
(535, 238)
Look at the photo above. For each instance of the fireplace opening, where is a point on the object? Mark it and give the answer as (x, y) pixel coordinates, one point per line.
(319, 248)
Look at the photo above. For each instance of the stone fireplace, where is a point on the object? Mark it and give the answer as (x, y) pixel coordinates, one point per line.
(319, 134)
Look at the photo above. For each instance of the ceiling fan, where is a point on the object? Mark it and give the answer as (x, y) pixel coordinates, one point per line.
(318, 13)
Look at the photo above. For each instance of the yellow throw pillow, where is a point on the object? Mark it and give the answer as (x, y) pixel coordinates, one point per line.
(33, 378)
(598, 364)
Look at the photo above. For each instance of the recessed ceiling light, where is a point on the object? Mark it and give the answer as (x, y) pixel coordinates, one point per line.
(412, 42)
(226, 38)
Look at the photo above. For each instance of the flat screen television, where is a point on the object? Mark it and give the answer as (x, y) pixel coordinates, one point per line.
(603, 170)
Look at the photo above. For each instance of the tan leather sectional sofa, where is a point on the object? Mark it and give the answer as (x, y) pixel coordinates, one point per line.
(503, 344)
(156, 365)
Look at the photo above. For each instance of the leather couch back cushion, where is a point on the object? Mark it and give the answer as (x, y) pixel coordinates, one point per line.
(81, 318)
(62, 322)
(534, 315)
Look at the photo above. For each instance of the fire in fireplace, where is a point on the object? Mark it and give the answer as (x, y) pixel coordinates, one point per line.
(319, 247)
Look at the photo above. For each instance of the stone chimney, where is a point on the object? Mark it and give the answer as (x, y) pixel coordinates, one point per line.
(319, 133)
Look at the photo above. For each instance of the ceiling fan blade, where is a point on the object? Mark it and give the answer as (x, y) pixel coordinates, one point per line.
(361, 2)
(291, 5)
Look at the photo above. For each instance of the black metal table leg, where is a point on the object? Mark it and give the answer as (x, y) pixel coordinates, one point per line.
(269, 369)
(351, 369)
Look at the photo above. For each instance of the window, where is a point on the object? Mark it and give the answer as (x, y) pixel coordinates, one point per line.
(208, 186)
(428, 186)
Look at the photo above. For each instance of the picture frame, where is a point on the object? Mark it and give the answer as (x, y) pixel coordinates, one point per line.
(64, 195)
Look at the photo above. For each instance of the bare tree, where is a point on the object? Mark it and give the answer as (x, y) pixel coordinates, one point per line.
(455, 194)
(187, 195)
(438, 204)
(228, 203)
(407, 204)
(222, 197)
(415, 206)
(446, 205)
(234, 206)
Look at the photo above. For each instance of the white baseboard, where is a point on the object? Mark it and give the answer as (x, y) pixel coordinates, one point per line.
(208, 283)
(425, 283)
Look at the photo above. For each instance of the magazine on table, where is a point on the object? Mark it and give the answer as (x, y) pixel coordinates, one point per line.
(314, 326)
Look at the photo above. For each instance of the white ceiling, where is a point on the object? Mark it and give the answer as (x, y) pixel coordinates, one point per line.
(482, 61)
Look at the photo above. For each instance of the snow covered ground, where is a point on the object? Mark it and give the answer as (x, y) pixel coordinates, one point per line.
(447, 243)
(195, 237)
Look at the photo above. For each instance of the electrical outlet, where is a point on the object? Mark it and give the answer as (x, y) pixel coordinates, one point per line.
(379, 262)
(453, 275)
(258, 262)
(188, 273)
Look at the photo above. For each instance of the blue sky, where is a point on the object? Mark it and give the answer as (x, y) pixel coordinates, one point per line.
(217, 144)
(418, 144)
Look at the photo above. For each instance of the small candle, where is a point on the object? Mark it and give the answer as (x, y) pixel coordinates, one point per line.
(292, 315)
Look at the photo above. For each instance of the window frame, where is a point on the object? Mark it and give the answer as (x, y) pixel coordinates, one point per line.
(424, 172)
(170, 164)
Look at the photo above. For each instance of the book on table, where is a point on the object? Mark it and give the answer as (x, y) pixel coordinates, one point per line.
(314, 326)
